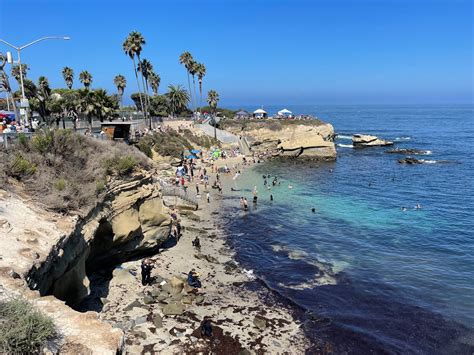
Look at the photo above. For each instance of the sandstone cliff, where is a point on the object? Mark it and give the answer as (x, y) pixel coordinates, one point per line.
(305, 139)
(44, 253)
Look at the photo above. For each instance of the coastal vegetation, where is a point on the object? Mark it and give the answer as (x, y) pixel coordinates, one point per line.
(23, 328)
(65, 171)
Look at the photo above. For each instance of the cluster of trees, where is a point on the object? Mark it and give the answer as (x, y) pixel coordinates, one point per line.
(54, 104)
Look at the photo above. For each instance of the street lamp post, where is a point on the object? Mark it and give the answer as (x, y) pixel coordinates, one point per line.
(18, 49)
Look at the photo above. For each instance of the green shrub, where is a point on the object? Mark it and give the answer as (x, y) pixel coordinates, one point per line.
(145, 148)
(23, 140)
(43, 141)
(21, 167)
(100, 186)
(121, 165)
(23, 329)
(60, 184)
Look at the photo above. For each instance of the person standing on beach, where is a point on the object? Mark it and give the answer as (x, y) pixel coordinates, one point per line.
(208, 196)
(146, 267)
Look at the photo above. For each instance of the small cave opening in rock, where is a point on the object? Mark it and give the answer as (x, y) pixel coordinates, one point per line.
(84, 285)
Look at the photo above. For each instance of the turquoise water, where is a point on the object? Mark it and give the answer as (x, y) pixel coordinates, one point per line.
(383, 279)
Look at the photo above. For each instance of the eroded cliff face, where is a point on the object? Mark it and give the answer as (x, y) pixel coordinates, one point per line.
(313, 142)
(52, 254)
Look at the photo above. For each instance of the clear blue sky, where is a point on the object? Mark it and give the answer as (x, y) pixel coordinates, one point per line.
(262, 52)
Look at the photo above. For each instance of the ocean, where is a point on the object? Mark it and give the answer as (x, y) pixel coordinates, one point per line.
(370, 277)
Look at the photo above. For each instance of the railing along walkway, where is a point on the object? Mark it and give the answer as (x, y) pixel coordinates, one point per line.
(168, 189)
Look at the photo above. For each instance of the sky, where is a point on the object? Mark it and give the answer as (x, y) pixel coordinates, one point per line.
(261, 52)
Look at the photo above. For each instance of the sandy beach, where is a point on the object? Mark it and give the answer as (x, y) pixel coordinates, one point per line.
(165, 317)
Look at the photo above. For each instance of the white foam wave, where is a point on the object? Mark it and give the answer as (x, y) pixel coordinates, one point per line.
(342, 136)
(317, 281)
(249, 274)
(427, 152)
(345, 145)
(403, 138)
(297, 254)
(428, 161)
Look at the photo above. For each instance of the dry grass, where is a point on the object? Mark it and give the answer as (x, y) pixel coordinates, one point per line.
(67, 171)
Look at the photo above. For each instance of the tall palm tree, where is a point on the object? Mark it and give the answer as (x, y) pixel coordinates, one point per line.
(193, 67)
(120, 82)
(68, 75)
(201, 73)
(130, 47)
(16, 71)
(85, 78)
(43, 94)
(5, 86)
(178, 98)
(212, 100)
(145, 68)
(185, 59)
(155, 81)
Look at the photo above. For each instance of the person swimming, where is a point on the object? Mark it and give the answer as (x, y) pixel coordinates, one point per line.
(313, 210)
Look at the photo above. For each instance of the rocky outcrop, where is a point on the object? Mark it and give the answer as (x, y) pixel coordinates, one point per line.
(408, 151)
(362, 140)
(314, 142)
(410, 161)
(53, 254)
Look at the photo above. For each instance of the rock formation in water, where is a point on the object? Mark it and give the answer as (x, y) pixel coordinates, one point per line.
(408, 151)
(45, 253)
(362, 140)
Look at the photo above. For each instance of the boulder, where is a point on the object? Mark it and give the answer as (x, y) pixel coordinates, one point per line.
(187, 299)
(133, 304)
(230, 266)
(148, 299)
(174, 308)
(199, 299)
(260, 323)
(212, 259)
(363, 140)
(157, 320)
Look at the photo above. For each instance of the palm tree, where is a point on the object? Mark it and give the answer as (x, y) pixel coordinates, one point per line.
(193, 67)
(85, 78)
(185, 59)
(145, 68)
(68, 75)
(131, 47)
(43, 93)
(120, 82)
(154, 82)
(201, 73)
(178, 98)
(16, 71)
(5, 85)
(212, 100)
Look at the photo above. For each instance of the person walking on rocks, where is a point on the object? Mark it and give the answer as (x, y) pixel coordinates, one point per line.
(147, 266)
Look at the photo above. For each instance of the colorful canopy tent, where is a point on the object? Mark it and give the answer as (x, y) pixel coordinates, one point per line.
(260, 113)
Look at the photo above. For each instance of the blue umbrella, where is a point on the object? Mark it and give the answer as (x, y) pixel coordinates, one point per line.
(195, 151)
(191, 157)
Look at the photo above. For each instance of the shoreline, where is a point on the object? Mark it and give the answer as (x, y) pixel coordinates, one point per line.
(246, 319)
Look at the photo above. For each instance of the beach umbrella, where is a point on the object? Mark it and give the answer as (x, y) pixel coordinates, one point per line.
(195, 151)
(191, 157)
(259, 111)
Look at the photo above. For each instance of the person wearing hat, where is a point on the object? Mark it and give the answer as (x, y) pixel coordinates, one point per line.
(193, 279)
